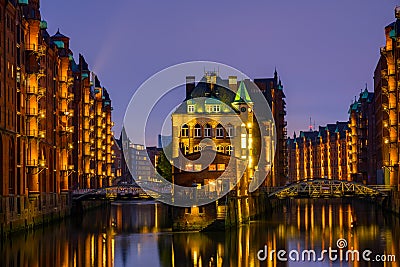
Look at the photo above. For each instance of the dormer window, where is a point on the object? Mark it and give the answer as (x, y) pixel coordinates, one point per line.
(213, 108)
(190, 108)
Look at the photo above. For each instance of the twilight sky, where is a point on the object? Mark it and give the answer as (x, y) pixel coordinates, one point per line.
(324, 51)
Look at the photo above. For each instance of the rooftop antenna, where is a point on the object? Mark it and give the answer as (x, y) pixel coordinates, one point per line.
(314, 125)
(310, 125)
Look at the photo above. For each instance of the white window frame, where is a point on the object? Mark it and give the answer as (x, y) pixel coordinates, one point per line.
(185, 131)
(197, 131)
(230, 131)
(216, 108)
(190, 108)
(220, 131)
(207, 130)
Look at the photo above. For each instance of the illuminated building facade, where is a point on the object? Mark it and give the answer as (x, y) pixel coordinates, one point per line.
(210, 112)
(362, 156)
(42, 110)
(387, 88)
(320, 154)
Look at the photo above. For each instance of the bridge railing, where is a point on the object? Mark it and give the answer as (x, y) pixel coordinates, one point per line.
(384, 188)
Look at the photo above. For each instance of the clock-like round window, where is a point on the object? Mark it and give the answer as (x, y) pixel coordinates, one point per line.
(243, 109)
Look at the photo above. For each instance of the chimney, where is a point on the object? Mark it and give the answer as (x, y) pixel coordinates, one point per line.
(190, 84)
(233, 83)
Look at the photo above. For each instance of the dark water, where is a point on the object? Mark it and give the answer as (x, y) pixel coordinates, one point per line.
(137, 234)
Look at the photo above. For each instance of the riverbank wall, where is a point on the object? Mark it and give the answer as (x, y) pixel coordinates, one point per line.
(21, 213)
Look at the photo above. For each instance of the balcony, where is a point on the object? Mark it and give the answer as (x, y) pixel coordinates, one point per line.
(68, 113)
(33, 163)
(67, 168)
(33, 90)
(67, 129)
(67, 95)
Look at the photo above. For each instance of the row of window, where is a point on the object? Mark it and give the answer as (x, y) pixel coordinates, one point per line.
(207, 131)
(211, 167)
(209, 108)
(222, 149)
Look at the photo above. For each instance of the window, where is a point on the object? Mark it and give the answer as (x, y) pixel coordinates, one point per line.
(220, 131)
(186, 149)
(220, 149)
(196, 148)
(189, 167)
(213, 108)
(230, 131)
(229, 150)
(207, 130)
(212, 167)
(197, 167)
(244, 141)
(190, 109)
(220, 167)
(184, 131)
(197, 130)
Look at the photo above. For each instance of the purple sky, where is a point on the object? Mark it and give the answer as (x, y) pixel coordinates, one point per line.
(325, 51)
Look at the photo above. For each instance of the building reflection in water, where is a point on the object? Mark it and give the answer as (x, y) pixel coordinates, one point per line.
(137, 234)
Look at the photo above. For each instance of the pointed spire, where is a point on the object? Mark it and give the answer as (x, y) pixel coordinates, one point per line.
(242, 95)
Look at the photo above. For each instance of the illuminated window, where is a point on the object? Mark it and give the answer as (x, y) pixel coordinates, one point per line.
(197, 130)
(212, 167)
(207, 130)
(185, 131)
(213, 108)
(190, 108)
(197, 167)
(220, 149)
(186, 149)
(189, 167)
(220, 131)
(229, 150)
(220, 167)
(196, 148)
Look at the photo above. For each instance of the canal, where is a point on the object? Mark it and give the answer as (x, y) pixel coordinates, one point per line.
(139, 234)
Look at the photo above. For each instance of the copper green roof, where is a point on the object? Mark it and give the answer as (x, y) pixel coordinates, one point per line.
(242, 95)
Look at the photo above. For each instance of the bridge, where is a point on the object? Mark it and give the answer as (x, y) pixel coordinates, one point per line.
(111, 193)
(328, 188)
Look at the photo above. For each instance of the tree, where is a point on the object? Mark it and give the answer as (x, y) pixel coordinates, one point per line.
(164, 167)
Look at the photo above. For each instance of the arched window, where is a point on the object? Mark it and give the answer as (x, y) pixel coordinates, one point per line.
(220, 149)
(220, 131)
(185, 131)
(229, 150)
(197, 131)
(207, 130)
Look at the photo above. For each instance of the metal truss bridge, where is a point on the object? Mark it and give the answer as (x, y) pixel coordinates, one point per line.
(111, 193)
(328, 188)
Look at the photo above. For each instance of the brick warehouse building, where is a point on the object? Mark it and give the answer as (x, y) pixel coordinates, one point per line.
(320, 154)
(387, 112)
(210, 96)
(55, 119)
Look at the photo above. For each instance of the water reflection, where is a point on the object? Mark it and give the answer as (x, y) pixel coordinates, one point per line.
(137, 234)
